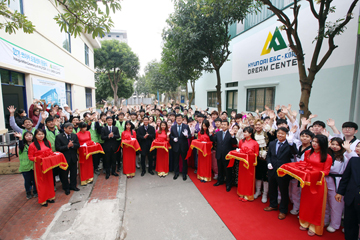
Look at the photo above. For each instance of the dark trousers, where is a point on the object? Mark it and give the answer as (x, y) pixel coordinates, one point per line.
(150, 158)
(176, 162)
(118, 158)
(110, 161)
(351, 222)
(195, 154)
(224, 171)
(56, 172)
(283, 183)
(96, 161)
(29, 181)
(72, 168)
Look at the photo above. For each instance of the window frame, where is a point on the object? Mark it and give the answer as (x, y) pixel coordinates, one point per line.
(69, 39)
(86, 97)
(215, 96)
(21, 6)
(87, 61)
(66, 92)
(255, 96)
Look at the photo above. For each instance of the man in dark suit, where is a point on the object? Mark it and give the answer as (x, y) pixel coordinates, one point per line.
(145, 136)
(349, 187)
(225, 140)
(109, 134)
(279, 153)
(68, 144)
(179, 135)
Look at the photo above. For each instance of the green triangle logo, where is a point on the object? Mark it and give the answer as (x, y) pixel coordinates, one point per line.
(273, 43)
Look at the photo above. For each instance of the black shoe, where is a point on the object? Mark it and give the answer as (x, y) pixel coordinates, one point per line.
(28, 195)
(75, 189)
(50, 201)
(45, 205)
(35, 195)
(184, 177)
(67, 191)
(107, 176)
(119, 169)
(228, 188)
(218, 184)
(151, 172)
(176, 176)
(115, 174)
(143, 173)
(97, 172)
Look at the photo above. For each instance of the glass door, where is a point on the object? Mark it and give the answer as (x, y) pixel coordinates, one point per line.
(231, 101)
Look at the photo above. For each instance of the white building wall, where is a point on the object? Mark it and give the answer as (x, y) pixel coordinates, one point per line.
(46, 42)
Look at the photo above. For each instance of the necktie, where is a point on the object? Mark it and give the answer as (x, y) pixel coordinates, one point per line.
(280, 145)
(109, 129)
(179, 129)
(145, 128)
(69, 137)
(224, 135)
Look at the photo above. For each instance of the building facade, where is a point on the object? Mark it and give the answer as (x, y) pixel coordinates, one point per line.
(47, 64)
(120, 35)
(262, 69)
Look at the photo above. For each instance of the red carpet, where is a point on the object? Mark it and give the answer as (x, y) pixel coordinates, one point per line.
(248, 220)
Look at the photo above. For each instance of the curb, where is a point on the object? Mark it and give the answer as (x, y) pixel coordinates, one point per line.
(121, 196)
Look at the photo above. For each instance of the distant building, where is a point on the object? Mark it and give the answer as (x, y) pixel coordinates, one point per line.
(120, 35)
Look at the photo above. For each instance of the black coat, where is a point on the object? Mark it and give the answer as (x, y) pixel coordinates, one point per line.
(182, 144)
(223, 147)
(349, 186)
(110, 144)
(145, 143)
(61, 145)
(285, 153)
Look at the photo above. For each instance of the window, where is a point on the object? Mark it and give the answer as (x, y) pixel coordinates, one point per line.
(66, 41)
(12, 78)
(189, 97)
(16, 5)
(86, 55)
(117, 36)
(211, 99)
(233, 84)
(257, 98)
(68, 94)
(88, 93)
(109, 35)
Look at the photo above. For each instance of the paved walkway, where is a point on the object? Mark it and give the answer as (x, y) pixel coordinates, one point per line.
(163, 208)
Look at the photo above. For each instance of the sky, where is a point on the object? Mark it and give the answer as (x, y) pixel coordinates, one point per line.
(144, 21)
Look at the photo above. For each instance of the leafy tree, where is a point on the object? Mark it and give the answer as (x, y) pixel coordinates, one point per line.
(327, 31)
(143, 86)
(116, 60)
(78, 16)
(104, 90)
(199, 33)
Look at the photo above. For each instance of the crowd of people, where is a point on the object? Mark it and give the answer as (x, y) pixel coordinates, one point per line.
(172, 137)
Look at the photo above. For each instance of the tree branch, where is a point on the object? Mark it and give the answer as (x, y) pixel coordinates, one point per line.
(311, 2)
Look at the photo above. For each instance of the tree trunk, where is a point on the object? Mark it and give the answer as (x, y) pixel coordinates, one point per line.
(218, 90)
(115, 89)
(192, 84)
(306, 85)
(186, 93)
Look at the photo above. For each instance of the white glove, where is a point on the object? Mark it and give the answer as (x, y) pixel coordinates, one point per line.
(270, 166)
(84, 145)
(175, 139)
(238, 149)
(185, 132)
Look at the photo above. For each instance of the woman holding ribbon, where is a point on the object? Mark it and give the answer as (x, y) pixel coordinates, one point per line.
(204, 157)
(162, 145)
(313, 197)
(86, 150)
(44, 180)
(130, 146)
(246, 175)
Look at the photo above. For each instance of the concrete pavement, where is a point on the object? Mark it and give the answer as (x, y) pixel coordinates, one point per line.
(163, 208)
